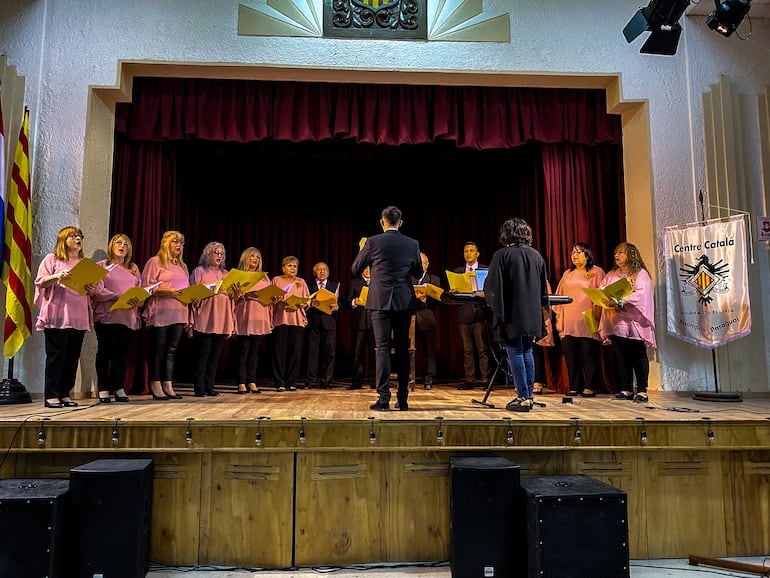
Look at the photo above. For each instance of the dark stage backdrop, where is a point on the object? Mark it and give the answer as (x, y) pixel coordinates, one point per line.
(305, 169)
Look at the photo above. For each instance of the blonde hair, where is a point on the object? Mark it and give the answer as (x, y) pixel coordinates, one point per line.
(243, 264)
(126, 261)
(164, 252)
(60, 252)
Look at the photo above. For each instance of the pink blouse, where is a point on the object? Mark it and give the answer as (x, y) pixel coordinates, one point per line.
(118, 281)
(281, 315)
(251, 317)
(60, 307)
(636, 320)
(213, 314)
(164, 311)
(569, 317)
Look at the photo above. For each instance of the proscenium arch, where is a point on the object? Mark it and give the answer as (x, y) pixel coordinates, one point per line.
(100, 123)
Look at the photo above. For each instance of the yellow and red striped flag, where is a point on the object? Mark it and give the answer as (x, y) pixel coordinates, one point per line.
(17, 249)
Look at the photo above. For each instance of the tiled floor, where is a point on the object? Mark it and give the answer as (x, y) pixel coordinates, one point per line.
(639, 569)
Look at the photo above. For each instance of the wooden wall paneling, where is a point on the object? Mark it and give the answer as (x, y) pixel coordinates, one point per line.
(684, 503)
(177, 518)
(251, 501)
(417, 507)
(339, 508)
(747, 503)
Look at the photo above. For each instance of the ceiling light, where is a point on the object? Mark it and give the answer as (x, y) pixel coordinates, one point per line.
(728, 15)
(661, 19)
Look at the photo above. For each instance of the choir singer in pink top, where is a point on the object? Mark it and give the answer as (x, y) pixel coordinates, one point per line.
(165, 317)
(114, 328)
(288, 327)
(64, 317)
(211, 319)
(253, 320)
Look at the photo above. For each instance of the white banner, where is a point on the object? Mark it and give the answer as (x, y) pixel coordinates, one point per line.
(707, 289)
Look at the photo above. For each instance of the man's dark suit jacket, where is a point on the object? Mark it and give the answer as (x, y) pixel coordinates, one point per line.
(425, 317)
(393, 259)
(468, 313)
(319, 318)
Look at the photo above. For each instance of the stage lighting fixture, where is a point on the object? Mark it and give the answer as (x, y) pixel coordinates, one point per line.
(728, 15)
(661, 19)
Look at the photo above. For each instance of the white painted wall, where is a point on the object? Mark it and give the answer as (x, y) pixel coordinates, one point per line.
(64, 47)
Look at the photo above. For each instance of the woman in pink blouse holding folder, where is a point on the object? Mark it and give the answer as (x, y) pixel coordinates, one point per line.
(64, 317)
(165, 316)
(114, 327)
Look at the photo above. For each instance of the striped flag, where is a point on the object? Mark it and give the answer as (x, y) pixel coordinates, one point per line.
(17, 249)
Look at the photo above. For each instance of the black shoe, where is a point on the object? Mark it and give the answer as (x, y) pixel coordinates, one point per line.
(379, 406)
(519, 404)
(466, 385)
(106, 399)
(354, 387)
(210, 393)
(69, 403)
(159, 397)
(53, 404)
(572, 393)
(626, 395)
(121, 398)
(254, 389)
(197, 394)
(428, 386)
(402, 406)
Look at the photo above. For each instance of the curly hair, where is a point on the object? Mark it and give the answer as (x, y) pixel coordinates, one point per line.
(515, 231)
(635, 261)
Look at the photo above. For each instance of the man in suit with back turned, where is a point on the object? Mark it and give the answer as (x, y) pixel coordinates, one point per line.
(394, 259)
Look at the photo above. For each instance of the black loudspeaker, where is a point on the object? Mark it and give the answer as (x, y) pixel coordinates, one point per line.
(111, 502)
(576, 526)
(32, 517)
(486, 514)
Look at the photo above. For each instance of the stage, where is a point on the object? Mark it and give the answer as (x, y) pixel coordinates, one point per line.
(313, 477)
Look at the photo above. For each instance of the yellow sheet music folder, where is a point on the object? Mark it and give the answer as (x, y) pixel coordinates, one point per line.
(293, 302)
(592, 323)
(197, 291)
(459, 282)
(268, 294)
(324, 300)
(620, 289)
(364, 294)
(139, 293)
(86, 272)
(429, 289)
(241, 279)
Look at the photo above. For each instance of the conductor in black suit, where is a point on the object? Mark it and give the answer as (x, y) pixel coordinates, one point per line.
(393, 259)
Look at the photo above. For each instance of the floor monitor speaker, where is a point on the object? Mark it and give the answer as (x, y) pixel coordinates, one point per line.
(111, 502)
(576, 526)
(32, 517)
(487, 521)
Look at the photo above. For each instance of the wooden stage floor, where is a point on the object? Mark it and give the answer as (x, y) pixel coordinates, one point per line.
(444, 400)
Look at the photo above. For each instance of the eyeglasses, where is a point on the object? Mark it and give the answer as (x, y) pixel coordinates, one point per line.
(577, 251)
(75, 236)
(121, 243)
(178, 241)
(220, 253)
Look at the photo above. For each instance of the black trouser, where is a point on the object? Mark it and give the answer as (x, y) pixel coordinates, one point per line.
(248, 357)
(162, 351)
(321, 349)
(582, 356)
(363, 350)
(208, 347)
(383, 322)
(631, 360)
(62, 353)
(111, 355)
(287, 354)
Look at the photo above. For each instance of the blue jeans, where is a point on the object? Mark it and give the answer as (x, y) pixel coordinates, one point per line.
(522, 364)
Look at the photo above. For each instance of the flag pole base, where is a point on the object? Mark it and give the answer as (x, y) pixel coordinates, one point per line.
(13, 391)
